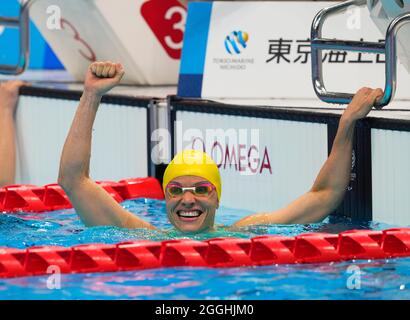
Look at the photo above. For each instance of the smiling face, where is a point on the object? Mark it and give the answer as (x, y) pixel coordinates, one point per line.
(191, 213)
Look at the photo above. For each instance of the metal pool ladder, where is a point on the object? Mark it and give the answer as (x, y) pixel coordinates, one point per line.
(387, 47)
(22, 23)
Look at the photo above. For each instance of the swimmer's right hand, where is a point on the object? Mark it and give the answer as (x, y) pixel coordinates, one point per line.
(101, 77)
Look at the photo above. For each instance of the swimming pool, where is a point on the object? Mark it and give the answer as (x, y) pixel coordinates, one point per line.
(376, 279)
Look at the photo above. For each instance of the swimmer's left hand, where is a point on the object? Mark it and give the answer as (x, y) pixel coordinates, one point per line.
(362, 103)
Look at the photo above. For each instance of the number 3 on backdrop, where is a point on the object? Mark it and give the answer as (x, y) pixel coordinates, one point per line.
(166, 19)
(84, 49)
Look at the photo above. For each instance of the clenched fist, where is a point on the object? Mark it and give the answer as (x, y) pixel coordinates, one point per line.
(101, 77)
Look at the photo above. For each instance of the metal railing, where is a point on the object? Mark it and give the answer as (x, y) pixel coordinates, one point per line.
(22, 23)
(387, 47)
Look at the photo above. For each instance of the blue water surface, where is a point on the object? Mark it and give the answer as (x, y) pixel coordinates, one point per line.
(375, 279)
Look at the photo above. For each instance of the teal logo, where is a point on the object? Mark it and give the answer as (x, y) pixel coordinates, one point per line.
(236, 41)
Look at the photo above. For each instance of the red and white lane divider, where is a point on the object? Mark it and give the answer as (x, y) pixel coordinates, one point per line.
(31, 198)
(219, 252)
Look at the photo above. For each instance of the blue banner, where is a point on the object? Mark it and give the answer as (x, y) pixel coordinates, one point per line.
(194, 49)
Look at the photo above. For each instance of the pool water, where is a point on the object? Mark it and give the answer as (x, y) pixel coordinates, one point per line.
(375, 279)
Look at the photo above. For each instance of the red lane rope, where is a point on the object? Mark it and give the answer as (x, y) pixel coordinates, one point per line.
(30, 198)
(219, 252)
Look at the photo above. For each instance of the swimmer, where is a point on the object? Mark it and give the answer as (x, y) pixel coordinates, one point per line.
(192, 184)
(9, 94)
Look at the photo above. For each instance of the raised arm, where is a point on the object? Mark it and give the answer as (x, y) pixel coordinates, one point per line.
(92, 203)
(9, 93)
(330, 185)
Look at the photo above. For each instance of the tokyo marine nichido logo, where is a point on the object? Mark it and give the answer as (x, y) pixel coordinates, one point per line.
(236, 41)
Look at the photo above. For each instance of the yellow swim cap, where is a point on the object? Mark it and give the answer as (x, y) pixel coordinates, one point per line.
(193, 163)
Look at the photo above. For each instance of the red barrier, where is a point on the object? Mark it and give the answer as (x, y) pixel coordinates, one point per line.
(38, 260)
(143, 187)
(22, 198)
(2, 196)
(138, 255)
(357, 244)
(316, 247)
(51, 197)
(396, 242)
(183, 253)
(220, 252)
(12, 263)
(229, 252)
(272, 250)
(93, 258)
